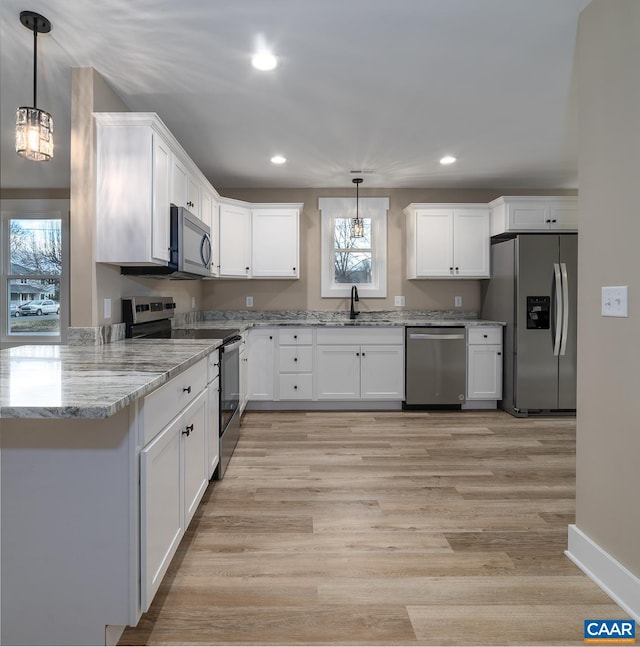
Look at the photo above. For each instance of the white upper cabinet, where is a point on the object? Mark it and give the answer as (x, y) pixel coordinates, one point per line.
(235, 240)
(447, 241)
(275, 242)
(140, 170)
(132, 191)
(533, 213)
(185, 188)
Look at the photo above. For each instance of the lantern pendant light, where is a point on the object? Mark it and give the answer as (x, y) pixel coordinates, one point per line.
(357, 224)
(34, 127)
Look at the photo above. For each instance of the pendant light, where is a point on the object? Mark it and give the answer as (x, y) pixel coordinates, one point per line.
(34, 127)
(357, 224)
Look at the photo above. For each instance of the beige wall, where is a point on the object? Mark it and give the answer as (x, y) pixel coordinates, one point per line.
(305, 292)
(608, 481)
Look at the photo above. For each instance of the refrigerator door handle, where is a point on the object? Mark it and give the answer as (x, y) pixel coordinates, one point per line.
(565, 307)
(557, 330)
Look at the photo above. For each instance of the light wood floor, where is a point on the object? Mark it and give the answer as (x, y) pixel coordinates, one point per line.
(392, 528)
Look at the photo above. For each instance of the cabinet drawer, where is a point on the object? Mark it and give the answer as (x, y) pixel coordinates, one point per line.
(166, 402)
(478, 335)
(295, 336)
(360, 335)
(296, 387)
(296, 359)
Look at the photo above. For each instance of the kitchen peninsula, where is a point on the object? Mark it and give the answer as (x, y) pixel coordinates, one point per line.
(74, 425)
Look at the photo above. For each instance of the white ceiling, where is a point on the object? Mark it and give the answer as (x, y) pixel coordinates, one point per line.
(389, 85)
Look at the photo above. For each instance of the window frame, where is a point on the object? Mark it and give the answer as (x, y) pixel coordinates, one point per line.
(37, 209)
(374, 208)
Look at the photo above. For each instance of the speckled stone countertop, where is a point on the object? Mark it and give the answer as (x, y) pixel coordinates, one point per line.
(90, 381)
(245, 319)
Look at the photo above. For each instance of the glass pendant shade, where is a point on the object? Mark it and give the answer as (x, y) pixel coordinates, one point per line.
(357, 228)
(34, 134)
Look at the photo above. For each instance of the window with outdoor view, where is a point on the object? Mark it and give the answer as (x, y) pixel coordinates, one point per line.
(348, 260)
(33, 269)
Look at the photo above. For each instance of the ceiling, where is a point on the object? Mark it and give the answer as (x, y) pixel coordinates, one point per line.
(383, 85)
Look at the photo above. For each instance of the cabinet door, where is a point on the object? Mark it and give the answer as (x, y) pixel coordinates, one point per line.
(193, 196)
(527, 216)
(563, 216)
(471, 243)
(161, 525)
(484, 372)
(275, 243)
(382, 372)
(194, 443)
(261, 373)
(434, 242)
(338, 372)
(244, 377)
(179, 182)
(235, 241)
(213, 426)
(160, 219)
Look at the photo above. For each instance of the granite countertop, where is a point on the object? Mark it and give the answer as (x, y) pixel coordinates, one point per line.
(266, 319)
(90, 381)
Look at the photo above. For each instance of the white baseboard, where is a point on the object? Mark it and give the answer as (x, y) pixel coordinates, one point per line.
(617, 581)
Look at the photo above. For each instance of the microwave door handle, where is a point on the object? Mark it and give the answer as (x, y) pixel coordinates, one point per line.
(206, 242)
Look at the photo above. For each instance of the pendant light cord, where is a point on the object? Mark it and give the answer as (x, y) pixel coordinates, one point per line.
(35, 64)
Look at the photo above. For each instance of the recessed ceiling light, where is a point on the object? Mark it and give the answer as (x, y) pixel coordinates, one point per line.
(447, 159)
(278, 159)
(264, 60)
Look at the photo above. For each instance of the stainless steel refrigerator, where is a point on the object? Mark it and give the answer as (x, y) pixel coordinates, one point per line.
(534, 290)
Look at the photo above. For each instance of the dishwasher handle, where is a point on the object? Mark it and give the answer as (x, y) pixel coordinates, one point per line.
(420, 335)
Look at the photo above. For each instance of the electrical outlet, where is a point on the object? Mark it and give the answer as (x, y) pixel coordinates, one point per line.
(107, 308)
(249, 302)
(458, 302)
(615, 301)
(193, 302)
(398, 301)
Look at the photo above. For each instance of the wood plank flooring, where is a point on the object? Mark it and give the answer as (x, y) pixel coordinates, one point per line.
(385, 528)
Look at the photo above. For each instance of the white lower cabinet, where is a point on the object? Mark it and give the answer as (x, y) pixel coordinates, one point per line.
(244, 376)
(161, 526)
(295, 364)
(261, 347)
(174, 472)
(348, 370)
(484, 363)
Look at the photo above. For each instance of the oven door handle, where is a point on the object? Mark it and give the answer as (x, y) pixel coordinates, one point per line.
(234, 345)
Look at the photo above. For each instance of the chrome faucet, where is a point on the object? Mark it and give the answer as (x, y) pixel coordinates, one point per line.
(354, 297)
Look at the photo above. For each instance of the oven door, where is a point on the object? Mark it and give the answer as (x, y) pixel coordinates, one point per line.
(230, 383)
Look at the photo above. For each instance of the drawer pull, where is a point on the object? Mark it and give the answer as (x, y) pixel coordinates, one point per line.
(187, 430)
(295, 387)
(295, 359)
(187, 389)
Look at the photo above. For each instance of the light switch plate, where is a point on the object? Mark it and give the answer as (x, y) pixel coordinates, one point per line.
(107, 308)
(615, 301)
(249, 302)
(398, 301)
(458, 302)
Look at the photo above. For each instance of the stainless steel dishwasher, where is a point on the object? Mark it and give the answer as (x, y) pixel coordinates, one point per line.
(435, 367)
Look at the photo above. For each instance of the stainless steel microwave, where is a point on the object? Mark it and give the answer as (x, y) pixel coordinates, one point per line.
(190, 249)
